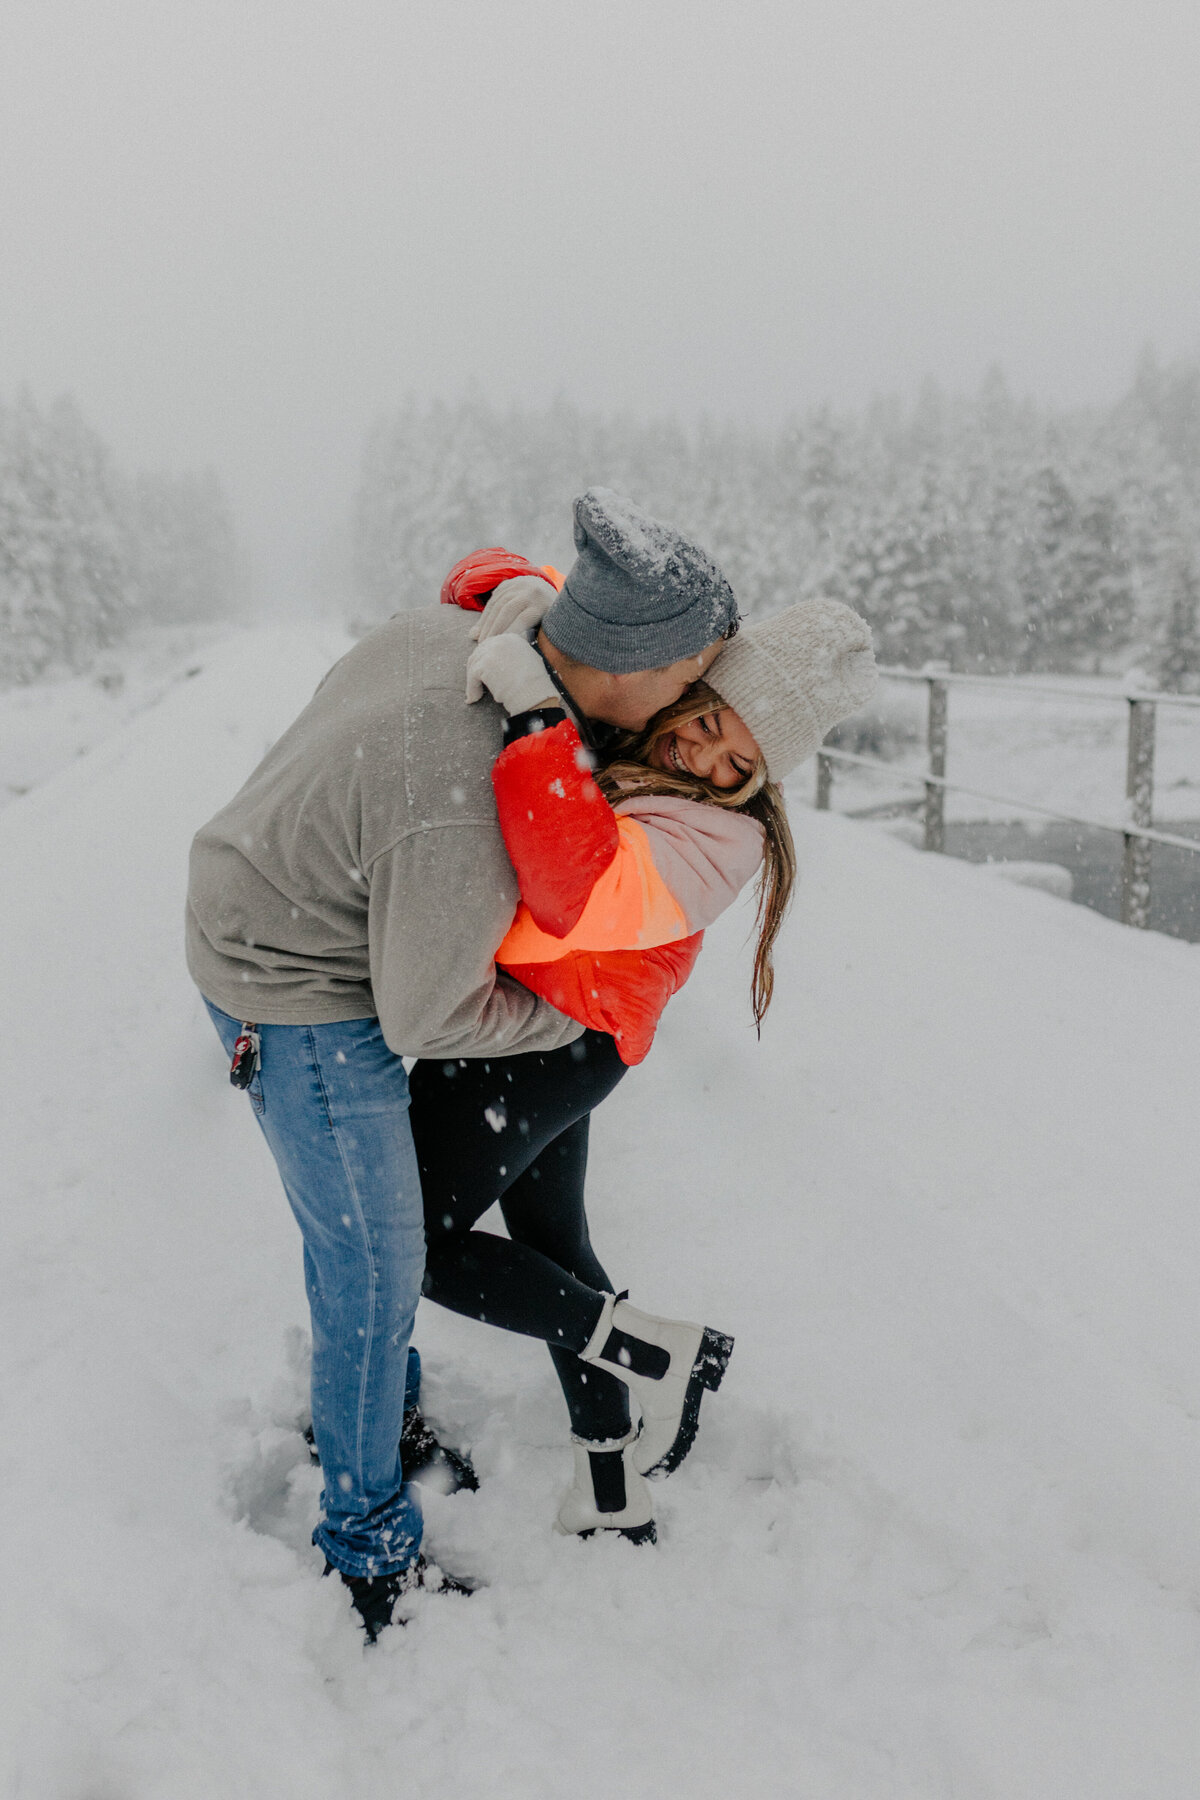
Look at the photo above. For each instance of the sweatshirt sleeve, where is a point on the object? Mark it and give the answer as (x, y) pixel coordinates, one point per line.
(437, 990)
(559, 830)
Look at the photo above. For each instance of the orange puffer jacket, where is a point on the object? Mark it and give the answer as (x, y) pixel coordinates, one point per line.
(614, 900)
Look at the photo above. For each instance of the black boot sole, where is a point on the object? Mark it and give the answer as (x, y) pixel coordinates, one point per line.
(708, 1372)
(636, 1534)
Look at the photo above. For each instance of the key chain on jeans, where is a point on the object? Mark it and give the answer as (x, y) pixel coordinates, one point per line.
(247, 1056)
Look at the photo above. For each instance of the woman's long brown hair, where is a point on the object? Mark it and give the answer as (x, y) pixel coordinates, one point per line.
(631, 772)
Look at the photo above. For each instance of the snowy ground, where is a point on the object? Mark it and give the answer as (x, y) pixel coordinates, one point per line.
(1056, 750)
(939, 1536)
(46, 725)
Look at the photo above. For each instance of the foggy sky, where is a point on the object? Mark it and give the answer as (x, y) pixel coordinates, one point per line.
(238, 229)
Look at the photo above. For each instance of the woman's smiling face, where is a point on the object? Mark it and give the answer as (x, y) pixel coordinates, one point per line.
(717, 748)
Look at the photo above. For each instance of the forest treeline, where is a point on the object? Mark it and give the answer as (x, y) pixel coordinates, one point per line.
(86, 550)
(987, 532)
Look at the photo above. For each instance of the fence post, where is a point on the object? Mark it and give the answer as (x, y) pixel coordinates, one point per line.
(935, 796)
(1139, 796)
(824, 781)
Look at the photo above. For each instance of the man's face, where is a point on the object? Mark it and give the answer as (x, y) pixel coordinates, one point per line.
(631, 701)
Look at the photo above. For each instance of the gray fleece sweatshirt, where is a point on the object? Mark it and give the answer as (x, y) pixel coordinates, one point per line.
(361, 869)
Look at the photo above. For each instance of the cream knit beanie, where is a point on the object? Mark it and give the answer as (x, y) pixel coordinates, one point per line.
(791, 677)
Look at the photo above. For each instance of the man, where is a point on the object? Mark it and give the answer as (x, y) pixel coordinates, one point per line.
(343, 913)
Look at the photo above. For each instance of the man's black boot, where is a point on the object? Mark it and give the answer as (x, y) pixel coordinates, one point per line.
(422, 1452)
(374, 1597)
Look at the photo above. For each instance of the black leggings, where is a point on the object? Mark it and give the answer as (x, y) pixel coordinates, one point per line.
(515, 1129)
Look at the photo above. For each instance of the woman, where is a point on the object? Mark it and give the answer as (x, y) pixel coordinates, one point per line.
(619, 876)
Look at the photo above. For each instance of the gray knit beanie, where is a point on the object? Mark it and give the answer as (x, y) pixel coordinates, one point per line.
(791, 677)
(639, 595)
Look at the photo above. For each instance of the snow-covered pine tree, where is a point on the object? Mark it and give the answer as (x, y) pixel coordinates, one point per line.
(1050, 522)
(1095, 598)
(84, 552)
(1177, 664)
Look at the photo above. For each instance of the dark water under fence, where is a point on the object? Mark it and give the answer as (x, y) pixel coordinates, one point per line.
(1094, 859)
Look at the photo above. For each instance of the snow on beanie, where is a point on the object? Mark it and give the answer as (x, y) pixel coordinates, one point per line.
(639, 595)
(791, 678)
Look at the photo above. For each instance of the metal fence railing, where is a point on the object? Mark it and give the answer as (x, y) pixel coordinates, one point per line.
(1137, 828)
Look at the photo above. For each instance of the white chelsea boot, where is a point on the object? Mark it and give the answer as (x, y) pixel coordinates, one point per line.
(666, 1364)
(608, 1493)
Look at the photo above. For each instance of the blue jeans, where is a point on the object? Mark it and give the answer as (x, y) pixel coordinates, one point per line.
(332, 1101)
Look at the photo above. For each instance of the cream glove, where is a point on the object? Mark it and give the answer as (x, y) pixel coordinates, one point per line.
(515, 605)
(512, 672)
